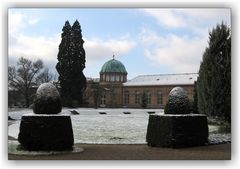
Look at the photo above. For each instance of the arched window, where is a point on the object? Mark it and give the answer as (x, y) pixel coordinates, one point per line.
(117, 78)
(107, 78)
(159, 98)
(112, 78)
(137, 97)
(103, 99)
(149, 100)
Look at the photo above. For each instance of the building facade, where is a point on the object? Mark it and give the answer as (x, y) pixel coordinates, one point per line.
(113, 90)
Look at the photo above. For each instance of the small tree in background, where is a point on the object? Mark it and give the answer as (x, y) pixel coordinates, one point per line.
(44, 77)
(71, 63)
(214, 81)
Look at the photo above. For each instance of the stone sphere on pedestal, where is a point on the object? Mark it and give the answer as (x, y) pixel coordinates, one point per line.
(46, 129)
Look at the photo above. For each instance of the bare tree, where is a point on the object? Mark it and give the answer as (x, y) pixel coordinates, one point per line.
(45, 76)
(23, 76)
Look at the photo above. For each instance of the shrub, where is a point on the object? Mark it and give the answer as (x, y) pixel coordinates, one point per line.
(177, 130)
(46, 132)
(47, 100)
(178, 102)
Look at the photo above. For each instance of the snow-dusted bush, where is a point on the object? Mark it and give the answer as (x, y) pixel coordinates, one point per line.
(47, 100)
(177, 127)
(178, 102)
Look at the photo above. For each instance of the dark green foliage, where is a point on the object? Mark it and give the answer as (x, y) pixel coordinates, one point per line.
(71, 63)
(47, 106)
(193, 104)
(47, 100)
(178, 102)
(48, 132)
(214, 81)
(177, 130)
(225, 128)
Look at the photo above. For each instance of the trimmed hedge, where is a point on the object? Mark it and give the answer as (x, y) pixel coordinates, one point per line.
(46, 132)
(178, 102)
(47, 105)
(177, 131)
(47, 100)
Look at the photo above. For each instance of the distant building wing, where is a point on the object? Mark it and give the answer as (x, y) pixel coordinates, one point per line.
(163, 79)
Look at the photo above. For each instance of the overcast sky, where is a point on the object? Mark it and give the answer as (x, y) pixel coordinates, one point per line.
(146, 41)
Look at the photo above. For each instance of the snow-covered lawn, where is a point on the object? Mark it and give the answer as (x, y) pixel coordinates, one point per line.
(114, 127)
(89, 126)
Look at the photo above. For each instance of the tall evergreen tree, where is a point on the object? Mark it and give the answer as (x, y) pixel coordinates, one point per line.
(195, 99)
(71, 63)
(214, 81)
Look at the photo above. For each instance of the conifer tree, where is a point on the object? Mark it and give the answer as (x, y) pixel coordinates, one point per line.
(71, 63)
(195, 99)
(214, 81)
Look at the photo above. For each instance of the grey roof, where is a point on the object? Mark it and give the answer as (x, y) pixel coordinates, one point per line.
(163, 79)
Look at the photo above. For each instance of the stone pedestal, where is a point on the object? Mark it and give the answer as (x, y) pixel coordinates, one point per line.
(46, 132)
(177, 130)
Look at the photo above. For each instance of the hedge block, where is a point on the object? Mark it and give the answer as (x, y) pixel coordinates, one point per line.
(47, 100)
(177, 130)
(46, 132)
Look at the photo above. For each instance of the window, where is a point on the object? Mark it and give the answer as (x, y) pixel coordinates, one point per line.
(148, 98)
(103, 99)
(121, 78)
(112, 78)
(159, 98)
(104, 77)
(117, 78)
(126, 97)
(137, 97)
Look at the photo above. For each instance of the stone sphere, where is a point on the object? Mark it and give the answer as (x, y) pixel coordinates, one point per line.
(178, 102)
(47, 100)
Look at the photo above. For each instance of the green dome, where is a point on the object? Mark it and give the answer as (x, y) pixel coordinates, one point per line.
(113, 65)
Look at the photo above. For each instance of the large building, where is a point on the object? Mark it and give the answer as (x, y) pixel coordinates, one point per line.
(113, 89)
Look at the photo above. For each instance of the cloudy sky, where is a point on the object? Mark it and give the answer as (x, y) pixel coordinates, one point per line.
(146, 41)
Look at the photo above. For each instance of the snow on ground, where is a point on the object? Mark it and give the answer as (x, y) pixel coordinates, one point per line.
(114, 127)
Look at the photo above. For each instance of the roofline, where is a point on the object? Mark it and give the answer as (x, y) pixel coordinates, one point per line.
(168, 74)
(113, 72)
(134, 85)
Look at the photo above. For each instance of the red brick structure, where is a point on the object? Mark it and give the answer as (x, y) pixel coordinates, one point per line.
(113, 89)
